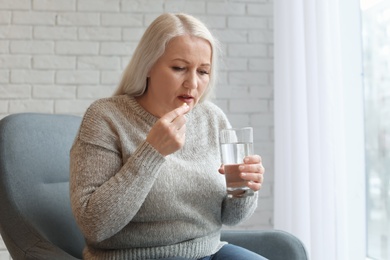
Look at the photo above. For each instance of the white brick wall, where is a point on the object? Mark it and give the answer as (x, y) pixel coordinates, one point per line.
(58, 56)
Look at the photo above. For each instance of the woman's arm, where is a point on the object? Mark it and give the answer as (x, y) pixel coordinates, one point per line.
(236, 210)
(105, 194)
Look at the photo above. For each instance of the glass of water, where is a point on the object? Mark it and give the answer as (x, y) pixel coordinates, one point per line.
(236, 144)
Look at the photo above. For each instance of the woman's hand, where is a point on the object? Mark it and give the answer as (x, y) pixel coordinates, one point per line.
(252, 171)
(168, 133)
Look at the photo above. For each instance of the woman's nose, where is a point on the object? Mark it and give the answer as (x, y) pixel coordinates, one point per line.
(191, 80)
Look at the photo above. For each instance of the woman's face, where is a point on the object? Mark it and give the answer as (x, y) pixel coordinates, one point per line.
(180, 75)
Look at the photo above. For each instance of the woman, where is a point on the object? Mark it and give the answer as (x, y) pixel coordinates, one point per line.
(144, 165)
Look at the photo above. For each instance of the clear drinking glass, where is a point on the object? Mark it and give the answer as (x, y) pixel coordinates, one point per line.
(236, 144)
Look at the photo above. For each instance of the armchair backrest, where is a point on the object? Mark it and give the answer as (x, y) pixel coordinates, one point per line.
(36, 221)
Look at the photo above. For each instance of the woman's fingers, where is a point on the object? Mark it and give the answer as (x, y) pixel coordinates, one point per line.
(252, 168)
(221, 169)
(170, 117)
(168, 134)
(253, 171)
(255, 177)
(253, 159)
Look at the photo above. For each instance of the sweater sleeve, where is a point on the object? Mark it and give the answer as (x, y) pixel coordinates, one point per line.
(237, 210)
(106, 188)
(105, 194)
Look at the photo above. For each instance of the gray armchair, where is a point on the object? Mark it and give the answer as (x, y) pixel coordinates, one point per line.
(36, 221)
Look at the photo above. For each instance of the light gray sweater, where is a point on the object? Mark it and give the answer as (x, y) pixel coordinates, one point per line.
(132, 203)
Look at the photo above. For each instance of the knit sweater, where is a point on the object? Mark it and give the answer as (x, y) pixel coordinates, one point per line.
(133, 203)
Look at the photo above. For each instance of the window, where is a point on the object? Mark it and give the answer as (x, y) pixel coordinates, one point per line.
(376, 67)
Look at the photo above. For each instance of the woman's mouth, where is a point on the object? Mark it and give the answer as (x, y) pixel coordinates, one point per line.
(186, 98)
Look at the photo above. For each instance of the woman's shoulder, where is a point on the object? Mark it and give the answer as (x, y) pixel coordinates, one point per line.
(101, 119)
(107, 103)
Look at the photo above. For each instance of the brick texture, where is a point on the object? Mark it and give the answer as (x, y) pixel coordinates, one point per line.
(59, 56)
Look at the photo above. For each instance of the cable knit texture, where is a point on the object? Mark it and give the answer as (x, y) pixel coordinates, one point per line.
(133, 203)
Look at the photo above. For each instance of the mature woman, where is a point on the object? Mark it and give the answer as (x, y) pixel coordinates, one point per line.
(144, 165)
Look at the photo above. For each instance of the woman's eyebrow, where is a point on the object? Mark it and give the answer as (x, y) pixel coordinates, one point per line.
(187, 62)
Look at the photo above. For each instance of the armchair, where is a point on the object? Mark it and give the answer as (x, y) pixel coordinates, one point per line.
(36, 221)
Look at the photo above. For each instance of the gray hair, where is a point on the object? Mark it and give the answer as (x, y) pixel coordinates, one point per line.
(152, 46)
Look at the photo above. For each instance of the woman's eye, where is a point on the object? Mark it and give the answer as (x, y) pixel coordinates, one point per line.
(203, 72)
(176, 68)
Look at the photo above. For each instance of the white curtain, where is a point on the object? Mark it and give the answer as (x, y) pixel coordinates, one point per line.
(310, 135)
